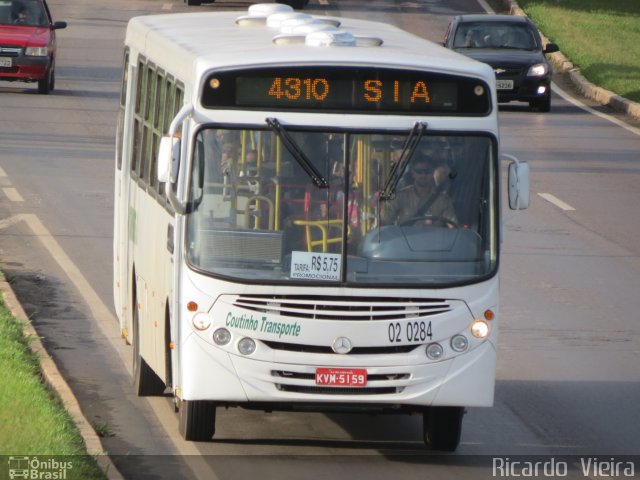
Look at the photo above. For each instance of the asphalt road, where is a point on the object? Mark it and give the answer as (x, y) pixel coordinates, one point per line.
(569, 351)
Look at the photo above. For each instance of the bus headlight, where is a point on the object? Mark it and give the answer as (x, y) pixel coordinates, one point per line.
(480, 329)
(201, 321)
(246, 346)
(434, 351)
(459, 343)
(222, 336)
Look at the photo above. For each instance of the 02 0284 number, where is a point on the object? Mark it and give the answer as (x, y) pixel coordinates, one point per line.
(418, 331)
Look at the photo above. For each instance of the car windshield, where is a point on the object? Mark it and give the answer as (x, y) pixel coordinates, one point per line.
(257, 213)
(494, 35)
(23, 12)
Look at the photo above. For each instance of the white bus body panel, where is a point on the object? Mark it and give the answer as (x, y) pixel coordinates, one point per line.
(222, 374)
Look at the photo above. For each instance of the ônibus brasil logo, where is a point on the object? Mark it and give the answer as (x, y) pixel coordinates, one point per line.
(38, 468)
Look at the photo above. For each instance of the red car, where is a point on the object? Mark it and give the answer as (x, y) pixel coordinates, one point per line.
(28, 43)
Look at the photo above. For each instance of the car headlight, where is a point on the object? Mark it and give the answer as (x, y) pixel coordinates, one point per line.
(36, 51)
(538, 70)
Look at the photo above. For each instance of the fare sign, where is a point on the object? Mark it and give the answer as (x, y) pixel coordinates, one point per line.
(341, 377)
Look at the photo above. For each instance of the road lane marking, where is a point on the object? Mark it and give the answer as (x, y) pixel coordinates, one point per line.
(167, 6)
(7, 222)
(13, 194)
(2, 173)
(486, 6)
(97, 308)
(557, 202)
(577, 103)
(110, 328)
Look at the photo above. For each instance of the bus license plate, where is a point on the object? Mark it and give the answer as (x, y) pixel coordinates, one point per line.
(504, 84)
(6, 62)
(341, 377)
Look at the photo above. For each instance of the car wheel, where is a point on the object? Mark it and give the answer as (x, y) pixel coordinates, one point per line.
(543, 105)
(46, 83)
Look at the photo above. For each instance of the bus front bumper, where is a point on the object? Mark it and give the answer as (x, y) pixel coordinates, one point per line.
(212, 374)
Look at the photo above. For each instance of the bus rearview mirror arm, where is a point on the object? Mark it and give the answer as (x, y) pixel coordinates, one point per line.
(170, 159)
(518, 183)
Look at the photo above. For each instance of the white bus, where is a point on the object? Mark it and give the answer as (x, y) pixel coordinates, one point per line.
(307, 217)
(298, 4)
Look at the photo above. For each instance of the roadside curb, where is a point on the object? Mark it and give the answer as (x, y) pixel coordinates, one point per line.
(55, 381)
(585, 87)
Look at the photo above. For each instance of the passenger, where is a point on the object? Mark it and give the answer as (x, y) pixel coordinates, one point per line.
(426, 200)
(472, 39)
(489, 40)
(250, 167)
(228, 156)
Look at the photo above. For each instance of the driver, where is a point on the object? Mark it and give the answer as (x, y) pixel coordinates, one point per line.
(21, 15)
(426, 199)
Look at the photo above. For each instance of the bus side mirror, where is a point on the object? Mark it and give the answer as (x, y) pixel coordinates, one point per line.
(518, 184)
(168, 159)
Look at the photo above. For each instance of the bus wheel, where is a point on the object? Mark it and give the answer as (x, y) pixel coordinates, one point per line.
(442, 427)
(197, 420)
(145, 381)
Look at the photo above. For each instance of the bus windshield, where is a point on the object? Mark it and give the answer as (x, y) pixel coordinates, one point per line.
(258, 213)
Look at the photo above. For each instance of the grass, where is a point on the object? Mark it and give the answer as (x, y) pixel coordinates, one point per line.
(103, 429)
(33, 422)
(600, 37)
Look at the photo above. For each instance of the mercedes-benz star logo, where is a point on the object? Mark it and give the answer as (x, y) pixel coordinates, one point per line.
(342, 345)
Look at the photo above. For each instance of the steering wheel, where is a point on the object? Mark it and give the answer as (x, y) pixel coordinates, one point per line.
(430, 220)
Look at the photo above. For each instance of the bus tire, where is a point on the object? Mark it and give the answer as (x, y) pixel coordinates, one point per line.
(145, 381)
(197, 420)
(442, 427)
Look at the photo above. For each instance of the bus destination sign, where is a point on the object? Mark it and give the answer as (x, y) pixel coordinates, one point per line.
(347, 90)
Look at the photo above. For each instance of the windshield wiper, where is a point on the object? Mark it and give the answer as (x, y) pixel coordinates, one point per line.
(297, 153)
(398, 169)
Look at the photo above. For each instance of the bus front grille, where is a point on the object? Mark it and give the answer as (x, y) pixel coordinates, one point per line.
(320, 307)
(300, 348)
